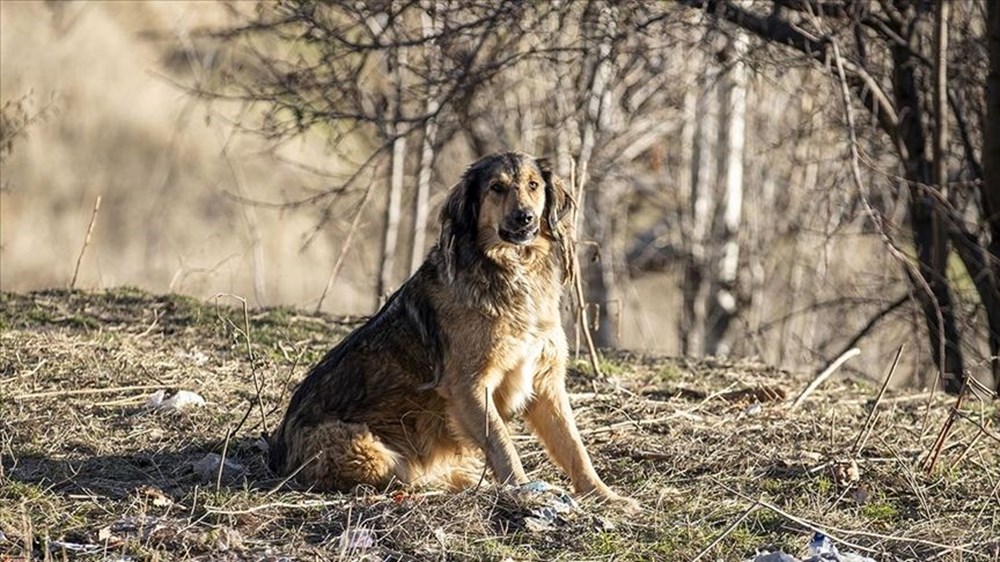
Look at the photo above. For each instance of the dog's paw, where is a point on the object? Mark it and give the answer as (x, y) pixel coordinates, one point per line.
(617, 501)
(625, 503)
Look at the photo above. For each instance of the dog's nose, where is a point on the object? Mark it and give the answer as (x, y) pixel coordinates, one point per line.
(523, 217)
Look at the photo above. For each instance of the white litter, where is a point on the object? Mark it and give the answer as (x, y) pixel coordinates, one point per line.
(179, 400)
(357, 539)
(208, 468)
(820, 550)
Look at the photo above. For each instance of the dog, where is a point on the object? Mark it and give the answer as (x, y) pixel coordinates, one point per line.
(425, 388)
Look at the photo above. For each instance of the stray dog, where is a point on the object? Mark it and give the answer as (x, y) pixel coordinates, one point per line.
(427, 385)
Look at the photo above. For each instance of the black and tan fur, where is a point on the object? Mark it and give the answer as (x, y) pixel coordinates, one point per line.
(422, 390)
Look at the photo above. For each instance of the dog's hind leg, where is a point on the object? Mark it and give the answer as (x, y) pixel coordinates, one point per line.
(337, 455)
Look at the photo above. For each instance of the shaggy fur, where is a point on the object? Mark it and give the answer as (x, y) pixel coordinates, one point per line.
(424, 389)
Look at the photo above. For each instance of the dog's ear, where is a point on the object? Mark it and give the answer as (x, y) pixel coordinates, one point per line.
(458, 219)
(558, 201)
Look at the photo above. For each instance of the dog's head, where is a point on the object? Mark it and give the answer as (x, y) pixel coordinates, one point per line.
(504, 201)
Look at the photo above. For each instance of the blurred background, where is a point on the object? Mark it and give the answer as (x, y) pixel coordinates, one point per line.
(757, 178)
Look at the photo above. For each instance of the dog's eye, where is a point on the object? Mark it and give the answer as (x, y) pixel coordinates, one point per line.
(532, 185)
(497, 187)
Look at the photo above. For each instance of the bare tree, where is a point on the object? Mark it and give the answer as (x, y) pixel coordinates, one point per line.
(723, 300)
(598, 85)
(900, 114)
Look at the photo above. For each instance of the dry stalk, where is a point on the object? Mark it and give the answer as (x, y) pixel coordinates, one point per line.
(827, 530)
(945, 429)
(288, 478)
(867, 427)
(573, 265)
(86, 241)
(982, 429)
(355, 222)
(307, 504)
(82, 391)
(825, 374)
(725, 533)
(222, 461)
(258, 383)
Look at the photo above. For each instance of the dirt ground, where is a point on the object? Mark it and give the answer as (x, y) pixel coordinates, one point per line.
(721, 463)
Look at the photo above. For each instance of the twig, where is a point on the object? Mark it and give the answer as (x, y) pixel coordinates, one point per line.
(827, 530)
(346, 245)
(222, 461)
(822, 377)
(866, 428)
(732, 527)
(257, 382)
(30, 373)
(804, 522)
(293, 474)
(86, 241)
(308, 504)
(81, 391)
(655, 421)
(946, 429)
(981, 427)
(913, 273)
(574, 263)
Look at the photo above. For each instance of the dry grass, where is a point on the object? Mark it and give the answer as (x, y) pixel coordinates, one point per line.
(82, 463)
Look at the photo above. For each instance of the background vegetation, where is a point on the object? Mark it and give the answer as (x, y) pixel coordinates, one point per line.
(784, 179)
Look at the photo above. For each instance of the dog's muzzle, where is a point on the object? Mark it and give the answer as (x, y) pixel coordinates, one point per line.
(520, 227)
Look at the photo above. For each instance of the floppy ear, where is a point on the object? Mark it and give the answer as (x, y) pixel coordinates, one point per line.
(558, 202)
(458, 220)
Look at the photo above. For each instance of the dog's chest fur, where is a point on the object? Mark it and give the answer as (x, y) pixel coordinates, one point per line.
(524, 336)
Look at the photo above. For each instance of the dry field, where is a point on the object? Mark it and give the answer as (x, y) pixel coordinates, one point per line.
(721, 464)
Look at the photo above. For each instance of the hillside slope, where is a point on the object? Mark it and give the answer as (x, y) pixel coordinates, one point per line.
(710, 448)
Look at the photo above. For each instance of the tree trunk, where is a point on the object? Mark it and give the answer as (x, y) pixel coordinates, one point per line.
(695, 283)
(597, 205)
(422, 200)
(394, 196)
(928, 234)
(990, 188)
(723, 304)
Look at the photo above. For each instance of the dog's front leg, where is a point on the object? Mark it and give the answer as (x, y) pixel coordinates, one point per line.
(476, 417)
(551, 417)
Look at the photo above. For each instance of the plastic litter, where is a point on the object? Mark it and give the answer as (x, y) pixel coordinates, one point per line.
(77, 548)
(821, 549)
(775, 557)
(547, 506)
(357, 539)
(208, 468)
(180, 400)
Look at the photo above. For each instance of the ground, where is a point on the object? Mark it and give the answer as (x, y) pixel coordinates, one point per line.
(721, 463)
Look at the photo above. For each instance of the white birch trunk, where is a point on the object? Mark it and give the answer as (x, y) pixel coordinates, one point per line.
(394, 196)
(422, 203)
(723, 303)
(703, 177)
